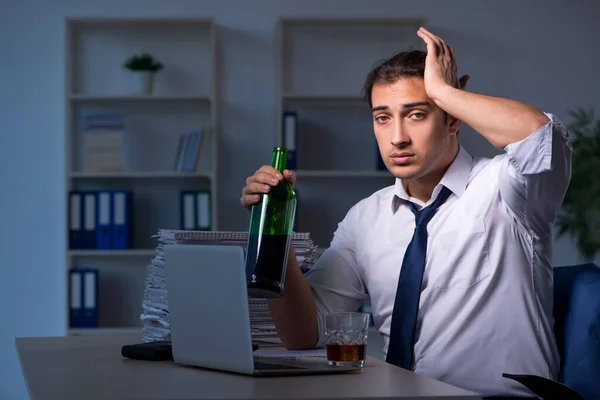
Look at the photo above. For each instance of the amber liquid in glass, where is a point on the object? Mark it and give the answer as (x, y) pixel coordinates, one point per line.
(346, 354)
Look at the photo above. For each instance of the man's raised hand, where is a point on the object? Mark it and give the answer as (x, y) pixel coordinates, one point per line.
(440, 65)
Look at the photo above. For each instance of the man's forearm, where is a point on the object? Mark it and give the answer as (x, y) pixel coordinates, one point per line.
(501, 121)
(295, 313)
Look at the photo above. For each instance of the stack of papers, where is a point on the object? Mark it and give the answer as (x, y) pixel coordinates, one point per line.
(261, 324)
(155, 314)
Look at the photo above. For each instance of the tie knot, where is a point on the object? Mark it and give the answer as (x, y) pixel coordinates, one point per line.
(423, 216)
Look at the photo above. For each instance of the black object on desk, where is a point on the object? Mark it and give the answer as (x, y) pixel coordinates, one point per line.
(151, 351)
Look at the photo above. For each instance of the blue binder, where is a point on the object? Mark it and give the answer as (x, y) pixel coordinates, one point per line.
(75, 298)
(83, 304)
(187, 210)
(103, 220)
(195, 210)
(122, 219)
(89, 204)
(75, 220)
(203, 210)
(90, 298)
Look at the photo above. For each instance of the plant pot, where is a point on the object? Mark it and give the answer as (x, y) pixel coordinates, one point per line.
(143, 82)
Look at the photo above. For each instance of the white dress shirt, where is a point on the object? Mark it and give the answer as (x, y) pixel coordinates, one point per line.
(487, 293)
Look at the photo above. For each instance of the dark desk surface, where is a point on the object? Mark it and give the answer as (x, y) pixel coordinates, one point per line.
(92, 368)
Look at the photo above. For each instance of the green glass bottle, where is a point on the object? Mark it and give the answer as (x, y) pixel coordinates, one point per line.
(269, 235)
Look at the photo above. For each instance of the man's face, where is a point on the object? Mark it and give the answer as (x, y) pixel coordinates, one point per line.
(414, 136)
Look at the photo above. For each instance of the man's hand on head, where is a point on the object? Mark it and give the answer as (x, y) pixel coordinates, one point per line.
(440, 65)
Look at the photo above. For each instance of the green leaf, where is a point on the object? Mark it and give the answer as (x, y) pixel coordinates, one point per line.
(580, 212)
(143, 62)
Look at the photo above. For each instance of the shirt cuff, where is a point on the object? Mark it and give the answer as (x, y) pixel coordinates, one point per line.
(533, 155)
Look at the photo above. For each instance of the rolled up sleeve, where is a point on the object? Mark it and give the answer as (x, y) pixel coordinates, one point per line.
(535, 175)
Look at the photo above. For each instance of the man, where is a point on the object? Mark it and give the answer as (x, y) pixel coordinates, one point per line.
(485, 296)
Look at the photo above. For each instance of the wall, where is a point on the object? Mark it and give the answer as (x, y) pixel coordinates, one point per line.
(531, 51)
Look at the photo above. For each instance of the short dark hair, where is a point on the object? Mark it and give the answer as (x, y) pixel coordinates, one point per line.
(407, 64)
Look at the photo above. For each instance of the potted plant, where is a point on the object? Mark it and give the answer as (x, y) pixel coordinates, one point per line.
(580, 212)
(144, 67)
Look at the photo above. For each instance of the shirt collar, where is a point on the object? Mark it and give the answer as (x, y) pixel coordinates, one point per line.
(455, 179)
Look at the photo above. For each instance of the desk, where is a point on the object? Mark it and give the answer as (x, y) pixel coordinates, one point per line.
(92, 368)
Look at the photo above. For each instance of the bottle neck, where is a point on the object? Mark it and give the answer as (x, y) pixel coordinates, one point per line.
(279, 159)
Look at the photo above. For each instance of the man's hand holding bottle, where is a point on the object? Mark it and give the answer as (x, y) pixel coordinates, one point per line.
(261, 182)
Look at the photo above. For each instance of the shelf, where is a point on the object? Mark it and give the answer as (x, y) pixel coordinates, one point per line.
(323, 97)
(113, 253)
(341, 51)
(353, 22)
(138, 98)
(107, 22)
(140, 175)
(104, 331)
(183, 100)
(342, 174)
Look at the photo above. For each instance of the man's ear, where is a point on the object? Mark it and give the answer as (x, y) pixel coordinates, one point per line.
(453, 124)
(462, 82)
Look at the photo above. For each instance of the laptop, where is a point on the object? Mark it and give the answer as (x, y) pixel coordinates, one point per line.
(210, 318)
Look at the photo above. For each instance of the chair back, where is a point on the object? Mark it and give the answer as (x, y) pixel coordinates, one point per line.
(577, 326)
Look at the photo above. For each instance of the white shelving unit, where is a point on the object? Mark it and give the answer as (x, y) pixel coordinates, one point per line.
(321, 67)
(184, 99)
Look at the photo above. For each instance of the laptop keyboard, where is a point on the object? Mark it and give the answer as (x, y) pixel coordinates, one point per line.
(266, 366)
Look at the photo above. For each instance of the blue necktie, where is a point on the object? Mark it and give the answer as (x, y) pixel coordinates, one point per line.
(406, 305)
